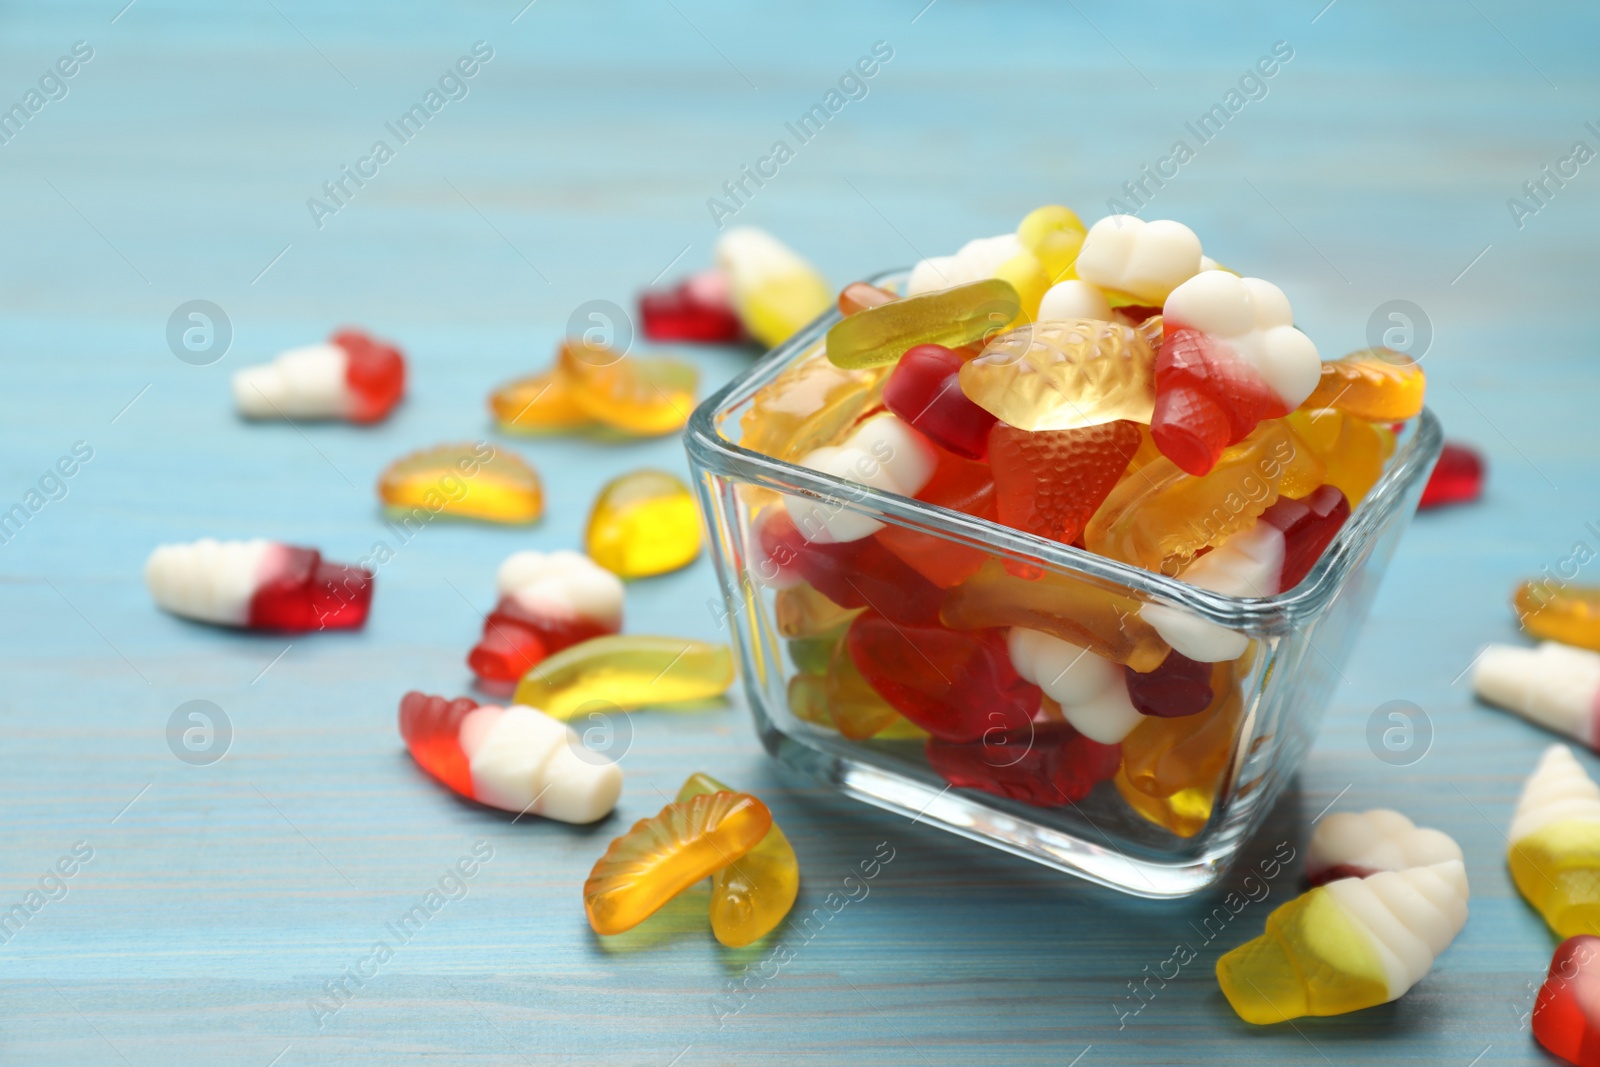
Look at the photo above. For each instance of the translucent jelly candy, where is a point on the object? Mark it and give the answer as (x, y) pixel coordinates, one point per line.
(1138, 262)
(1180, 686)
(1163, 516)
(1347, 945)
(1456, 479)
(468, 480)
(774, 291)
(643, 523)
(960, 485)
(924, 391)
(957, 316)
(1064, 375)
(351, 377)
(630, 394)
(1054, 234)
(1046, 764)
(258, 585)
(1076, 610)
(1172, 768)
(1350, 845)
(1554, 611)
(806, 407)
(853, 574)
(858, 296)
(808, 698)
(1554, 685)
(667, 853)
(1230, 358)
(800, 611)
(1308, 526)
(856, 709)
(750, 896)
(1566, 1015)
(548, 602)
(516, 758)
(541, 403)
(700, 308)
(627, 671)
(1378, 384)
(1555, 844)
(1049, 483)
(1090, 691)
(883, 452)
(953, 685)
(1353, 450)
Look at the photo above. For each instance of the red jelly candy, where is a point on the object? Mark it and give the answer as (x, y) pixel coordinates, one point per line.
(305, 593)
(853, 574)
(1309, 525)
(1050, 482)
(1046, 764)
(1178, 687)
(1566, 1015)
(1207, 398)
(960, 485)
(697, 309)
(431, 727)
(514, 639)
(1456, 479)
(375, 373)
(924, 391)
(955, 685)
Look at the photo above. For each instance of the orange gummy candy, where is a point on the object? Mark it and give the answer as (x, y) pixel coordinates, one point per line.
(1375, 383)
(808, 406)
(1171, 767)
(1049, 482)
(540, 403)
(628, 393)
(1352, 450)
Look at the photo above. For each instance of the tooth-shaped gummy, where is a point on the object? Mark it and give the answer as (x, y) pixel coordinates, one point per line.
(884, 453)
(1354, 845)
(1092, 691)
(1254, 318)
(522, 760)
(301, 383)
(1351, 944)
(1555, 844)
(1554, 685)
(209, 580)
(1144, 260)
(1248, 564)
(562, 585)
(978, 259)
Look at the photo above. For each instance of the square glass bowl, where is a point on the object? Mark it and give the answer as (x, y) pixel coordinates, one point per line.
(1187, 792)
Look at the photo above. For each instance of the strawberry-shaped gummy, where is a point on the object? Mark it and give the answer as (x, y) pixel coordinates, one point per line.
(697, 309)
(1456, 479)
(1046, 764)
(958, 484)
(955, 685)
(1309, 524)
(852, 574)
(1180, 686)
(375, 375)
(302, 592)
(1050, 482)
(1566, 1015)
(923, 390)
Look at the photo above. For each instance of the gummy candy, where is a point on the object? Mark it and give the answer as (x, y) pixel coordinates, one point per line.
(960, 485)
(1027, 276)
(1090, 690)
(627, 671)
(1457, 477)
(1555, 685)
(1172, 767)
(516, 759)
(1554, 611)
(470, 480)
(774, 291)
(806, 407)
(1555, 844)
(548, 602)
(884, 453)
(1566, 1014)
(1378, 384)
(956, 316)
(1230, 358)
(351, 377)
(643, 523)
(258, 585)
(858, 296)
(667, 853)
(853, 574)
(1163, 516)
(856, 709)
(1074, 609)
(1353, 450)
(1046, 764)
(697, 309)
(808, 698)
(800, 611)
(1054, 234)
(629, 394)
(977, 260)
(1138, 262)
(1064, 375)
(1350, 845)
(1050, 482)
(1079, 300)
(954, 685)
(541, 403)
(812, 654)
(923, 390)
(1347, 945)
(750, 896)
(1180, 686)
(1308, 526)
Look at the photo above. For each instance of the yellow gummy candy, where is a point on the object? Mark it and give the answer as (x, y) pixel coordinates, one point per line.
(628, 671)
(468, 480)
(1569, 614)
(751, 895)
(808, 698)
(1173, 767)
(643, 523)
(1028, 277)
(1162, 517)
(1064, 375)
(631, 394)
(1353, 450)
(774, 291)
(808, 406)
(952, 317)
(1054, 234)
(540, 403)
(801, 611)
(1375, 383)
(1557, 869)
(858, 711)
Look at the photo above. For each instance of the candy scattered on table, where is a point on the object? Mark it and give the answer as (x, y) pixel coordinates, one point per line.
(258, 585)
(539, 403)
(1555, 844)
(643, 523)
(774, 291)
(698, 309)
(1552, 610)
(548, 602)
(1355, 845)
(470, 480)
(626, 671)
(1566, 1013)
(1456, 479)
(351, 377)
(667, 853)
(516, 759)
(594, 386)
(1554, 685)
(750, 896)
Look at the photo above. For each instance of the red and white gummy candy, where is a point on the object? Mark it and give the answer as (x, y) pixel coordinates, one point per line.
(351, 377)
(258, 585)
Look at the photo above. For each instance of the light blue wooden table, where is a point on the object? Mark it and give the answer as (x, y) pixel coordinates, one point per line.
(220, 899)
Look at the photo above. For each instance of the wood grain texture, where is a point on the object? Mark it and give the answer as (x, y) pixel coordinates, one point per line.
(578, 166)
